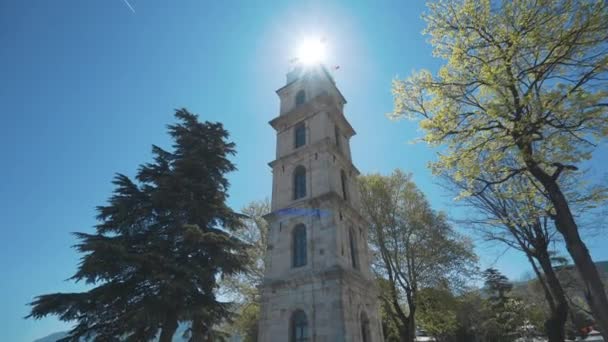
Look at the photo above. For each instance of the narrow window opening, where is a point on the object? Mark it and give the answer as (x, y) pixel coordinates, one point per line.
(344, 189)
(299, 135)
(365, 335)
(300, 97)
(299, 327)
(299, 180)
(299, 246)
(353, 249)
(337, 133)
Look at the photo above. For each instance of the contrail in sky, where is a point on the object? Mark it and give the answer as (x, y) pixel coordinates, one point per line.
(128, 4)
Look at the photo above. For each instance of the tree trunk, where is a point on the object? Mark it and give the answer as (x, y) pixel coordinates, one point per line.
(200, 332)
(403, 333)
(404, 324)
(559, 314)
(565, 224)
(411, 324)
(168, 329)
(404, 320)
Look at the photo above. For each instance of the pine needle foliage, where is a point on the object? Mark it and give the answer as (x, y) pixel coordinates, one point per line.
(162, 242)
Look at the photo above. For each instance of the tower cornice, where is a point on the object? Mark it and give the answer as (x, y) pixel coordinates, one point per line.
(309, 276)
(314, 202)
(323, 145)
(315, 105)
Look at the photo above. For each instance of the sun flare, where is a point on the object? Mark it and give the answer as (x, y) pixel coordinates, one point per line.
(311, 51)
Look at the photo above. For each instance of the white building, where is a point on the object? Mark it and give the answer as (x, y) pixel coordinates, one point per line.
(318, 285)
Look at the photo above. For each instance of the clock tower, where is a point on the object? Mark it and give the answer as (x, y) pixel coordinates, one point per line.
(318, 285)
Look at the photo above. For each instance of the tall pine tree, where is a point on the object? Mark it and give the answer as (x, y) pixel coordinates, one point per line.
(161, 244)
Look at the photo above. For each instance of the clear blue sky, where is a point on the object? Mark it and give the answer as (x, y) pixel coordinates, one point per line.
(87, 86)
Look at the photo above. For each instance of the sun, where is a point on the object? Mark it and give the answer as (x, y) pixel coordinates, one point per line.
(311, 51)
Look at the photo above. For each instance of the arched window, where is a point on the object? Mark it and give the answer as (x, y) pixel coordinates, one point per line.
(300, 97)
(365, 335)
(299, 327)
(353, 249)
(337, 134)
(299, 135)
(299, 182)
(299, 246)
(343, 180)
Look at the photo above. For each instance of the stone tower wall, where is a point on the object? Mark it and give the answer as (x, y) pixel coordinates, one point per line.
(332, 292)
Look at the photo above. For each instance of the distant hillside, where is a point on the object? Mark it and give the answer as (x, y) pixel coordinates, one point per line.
(602, 267)
(52, 337)
(55, 336)
(177, 338)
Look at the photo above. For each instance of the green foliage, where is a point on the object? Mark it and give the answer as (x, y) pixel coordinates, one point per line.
(247, 323)
(390, 322)
(512, 214)
(580, 313)
(160, 245)
(492, 314)
(410, 235)
(537, 310)
(523, 92)
(472, 316)
(504, 314)
(414, 247)
(497, 284)
(516, 73)
(469, 317)
(437, 312)
(580, 319)
(244, 286)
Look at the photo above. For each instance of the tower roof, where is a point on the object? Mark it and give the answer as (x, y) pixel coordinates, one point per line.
(300, 71)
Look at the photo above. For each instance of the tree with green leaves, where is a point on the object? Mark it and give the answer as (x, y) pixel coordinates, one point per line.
(523, 91)
(497, 284)
(521, 222)
(414, 246)
(161, 243)
(244, 286)
(469, 316)
(505, 313)
(247, 322)
(437, 312)
(581, 315)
